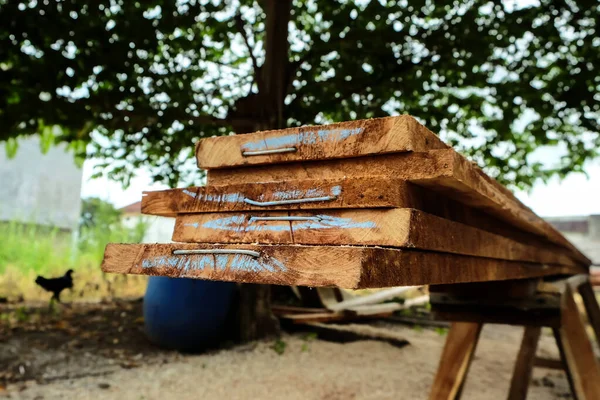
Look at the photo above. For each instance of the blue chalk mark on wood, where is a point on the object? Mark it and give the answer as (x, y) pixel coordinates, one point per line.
(216, 198)
(189, 193)
(235, 262)
(240, 223)
(275, 196)
(306, 138)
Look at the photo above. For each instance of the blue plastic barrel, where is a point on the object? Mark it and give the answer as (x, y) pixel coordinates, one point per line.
(186, 314)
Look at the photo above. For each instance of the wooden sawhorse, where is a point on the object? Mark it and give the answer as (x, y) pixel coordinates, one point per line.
(529, 303)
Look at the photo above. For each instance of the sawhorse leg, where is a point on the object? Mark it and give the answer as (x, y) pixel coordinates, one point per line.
(456, 358)
(576, 352)
(525, 363)
(556, 309)
(591, 307)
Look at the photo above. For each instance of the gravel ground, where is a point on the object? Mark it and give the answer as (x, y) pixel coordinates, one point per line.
(311, 369)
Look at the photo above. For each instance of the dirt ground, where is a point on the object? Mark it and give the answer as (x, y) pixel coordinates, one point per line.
(98, 351)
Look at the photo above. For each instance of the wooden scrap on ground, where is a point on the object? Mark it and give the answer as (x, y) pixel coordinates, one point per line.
(350, 333)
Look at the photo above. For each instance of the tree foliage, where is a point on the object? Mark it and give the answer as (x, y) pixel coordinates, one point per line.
(139, 82)
(98, 213)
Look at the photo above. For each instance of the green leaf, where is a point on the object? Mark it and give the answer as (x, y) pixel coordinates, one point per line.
(490, 78)
(46, 139)
(11, 146)
(279, 346)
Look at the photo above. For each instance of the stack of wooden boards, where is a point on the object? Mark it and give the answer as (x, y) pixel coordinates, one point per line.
(371, 203)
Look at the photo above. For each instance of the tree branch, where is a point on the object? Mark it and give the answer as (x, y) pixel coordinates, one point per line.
(139, 121)
(241, 27)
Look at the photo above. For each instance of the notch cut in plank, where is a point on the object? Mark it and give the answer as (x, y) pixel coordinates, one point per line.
(442, 171)
(349, 267)
(336, 193)
(400, 227)
(342, 140)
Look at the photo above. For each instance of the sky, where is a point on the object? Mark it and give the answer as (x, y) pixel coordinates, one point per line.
(575, 195)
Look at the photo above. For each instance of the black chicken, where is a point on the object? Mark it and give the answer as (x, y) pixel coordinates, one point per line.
(56, 285)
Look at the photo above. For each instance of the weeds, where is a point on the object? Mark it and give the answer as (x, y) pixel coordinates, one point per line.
(441, 331)
(28, 250)
(307, 339)
(279, 346)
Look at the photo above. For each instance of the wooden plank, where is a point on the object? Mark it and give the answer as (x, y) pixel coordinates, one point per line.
(384, 227)
(443, 171)
(521, 377)
(358, 193)
(348, 333)
(352, 314)
(401, 166)
(370, 309)
(577, 351)
(354, 193)
(342, 193)
(330, 266)
(284, 309)
(377, 297)
(341, 140)
(457, 355)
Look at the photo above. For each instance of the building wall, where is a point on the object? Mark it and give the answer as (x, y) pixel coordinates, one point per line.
(158, 229)
(40, 188)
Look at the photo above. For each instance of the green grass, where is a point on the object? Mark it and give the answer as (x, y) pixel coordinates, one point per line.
(28, 250)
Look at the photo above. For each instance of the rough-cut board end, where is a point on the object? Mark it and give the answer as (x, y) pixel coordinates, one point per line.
(416, 136)
(119, 258)
(153, 203)
(197, 152)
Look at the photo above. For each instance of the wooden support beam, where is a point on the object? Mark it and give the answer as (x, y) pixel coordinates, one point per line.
(550, 363)
(391, 228)
(350, 267)
(346, 139)
(524, 365)
(457, 355)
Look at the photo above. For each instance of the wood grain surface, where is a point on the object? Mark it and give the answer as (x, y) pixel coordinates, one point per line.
(348, 267)
(442, 171)
(398, 227)
(342, 193)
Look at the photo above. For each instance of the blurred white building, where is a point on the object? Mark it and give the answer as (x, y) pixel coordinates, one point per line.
(583, 232)
(159, 229)
(44, 189)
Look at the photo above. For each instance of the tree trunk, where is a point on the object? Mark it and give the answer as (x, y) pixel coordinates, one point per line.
(266, 108)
